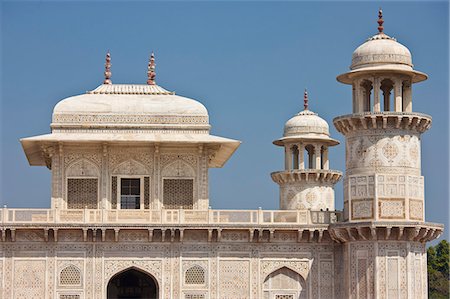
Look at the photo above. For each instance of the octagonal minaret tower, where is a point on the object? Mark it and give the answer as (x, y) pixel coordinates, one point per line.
(384, 209)
(307, 182)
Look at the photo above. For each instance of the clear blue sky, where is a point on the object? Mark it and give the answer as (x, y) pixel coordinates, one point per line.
(247, 62)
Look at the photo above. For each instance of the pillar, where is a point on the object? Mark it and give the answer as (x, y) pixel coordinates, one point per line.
(398, 95)
(407, 96)
(317, 154)
(301, 151)
(376, 95)
(326, 162)
(288, 157)
(359, 97)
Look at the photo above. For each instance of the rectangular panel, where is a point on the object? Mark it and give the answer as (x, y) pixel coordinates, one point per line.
(326, 279)
(392, 278)
(234, 279)
(29, 279)
(362, 209)
(114, 192)
(416, 209)
(82, 193)
(362, 278)
(146, 192)
(178, 193)
(392, 208)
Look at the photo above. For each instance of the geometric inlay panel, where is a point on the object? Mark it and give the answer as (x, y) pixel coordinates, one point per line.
(82, 193)
(178, 193)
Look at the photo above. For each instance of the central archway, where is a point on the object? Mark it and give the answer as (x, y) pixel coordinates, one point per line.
(132, 284)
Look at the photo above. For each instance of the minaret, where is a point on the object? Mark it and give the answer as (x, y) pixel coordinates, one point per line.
(307, 183)
(384, 232)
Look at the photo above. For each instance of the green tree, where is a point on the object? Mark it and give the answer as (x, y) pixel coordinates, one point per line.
(438, 274)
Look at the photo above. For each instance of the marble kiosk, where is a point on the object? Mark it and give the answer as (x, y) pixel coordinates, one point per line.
(130, 215)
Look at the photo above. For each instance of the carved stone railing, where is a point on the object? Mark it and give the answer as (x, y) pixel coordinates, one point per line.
(169, 217)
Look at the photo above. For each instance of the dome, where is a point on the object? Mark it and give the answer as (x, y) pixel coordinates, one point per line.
(306, 122)
(306, 125)
(129, 104)
(383, 50)
(381, 53)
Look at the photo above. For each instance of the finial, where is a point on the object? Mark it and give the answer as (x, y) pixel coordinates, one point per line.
(380, 21)
(108, 69)
(305, 99)
(151, 70)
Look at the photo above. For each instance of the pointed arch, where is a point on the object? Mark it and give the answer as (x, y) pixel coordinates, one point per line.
(285, 281)
(82, 168)
(195, 275)
(130, 167)
(178, 168)
(133, 279)
(70, 276)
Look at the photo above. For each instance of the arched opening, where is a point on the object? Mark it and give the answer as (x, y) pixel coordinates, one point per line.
(311, 156)
(366, 86)
(285, 283)
(295, 153)
(386, 87)
(132, 284)
(324, 157)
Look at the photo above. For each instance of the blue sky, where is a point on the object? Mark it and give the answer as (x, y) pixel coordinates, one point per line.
(247, 62)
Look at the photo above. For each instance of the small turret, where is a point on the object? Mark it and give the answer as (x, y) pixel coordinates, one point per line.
(307, 182)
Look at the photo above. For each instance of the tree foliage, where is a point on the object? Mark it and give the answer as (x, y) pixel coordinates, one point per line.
(438, 274)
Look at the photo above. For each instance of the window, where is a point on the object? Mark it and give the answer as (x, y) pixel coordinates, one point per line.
(70, 276)
(195, 275)
(130, 193)
(82, 193)
(178, 193)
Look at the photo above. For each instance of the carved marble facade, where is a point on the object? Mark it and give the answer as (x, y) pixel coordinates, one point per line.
(227, 269)
(130, 166)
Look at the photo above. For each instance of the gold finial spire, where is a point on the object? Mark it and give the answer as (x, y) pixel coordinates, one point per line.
(151, 70)
(305, 99)
(380, 21)
(108, 69)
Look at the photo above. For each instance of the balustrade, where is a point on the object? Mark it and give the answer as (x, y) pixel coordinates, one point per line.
(166, 216)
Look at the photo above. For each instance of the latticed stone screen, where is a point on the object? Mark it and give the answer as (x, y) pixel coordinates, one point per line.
(195, 275)
(284, 296)
(146, 192)
(66, 296)
(114, 192)
(194, 296)
(178, 193)
(70, 276)
(82, 193)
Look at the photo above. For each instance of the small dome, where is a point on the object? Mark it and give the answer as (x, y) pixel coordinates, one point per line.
(306, 122)
(306, 126)
(129, 104)
(381, 49)
(381, 53)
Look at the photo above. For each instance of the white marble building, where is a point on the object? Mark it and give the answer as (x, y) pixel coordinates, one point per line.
(130, 214)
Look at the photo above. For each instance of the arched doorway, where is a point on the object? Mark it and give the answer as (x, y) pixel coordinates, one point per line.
(284, 283)
(132, 284)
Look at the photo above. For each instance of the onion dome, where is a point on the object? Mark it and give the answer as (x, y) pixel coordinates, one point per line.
(381, 53)
(306, 125)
